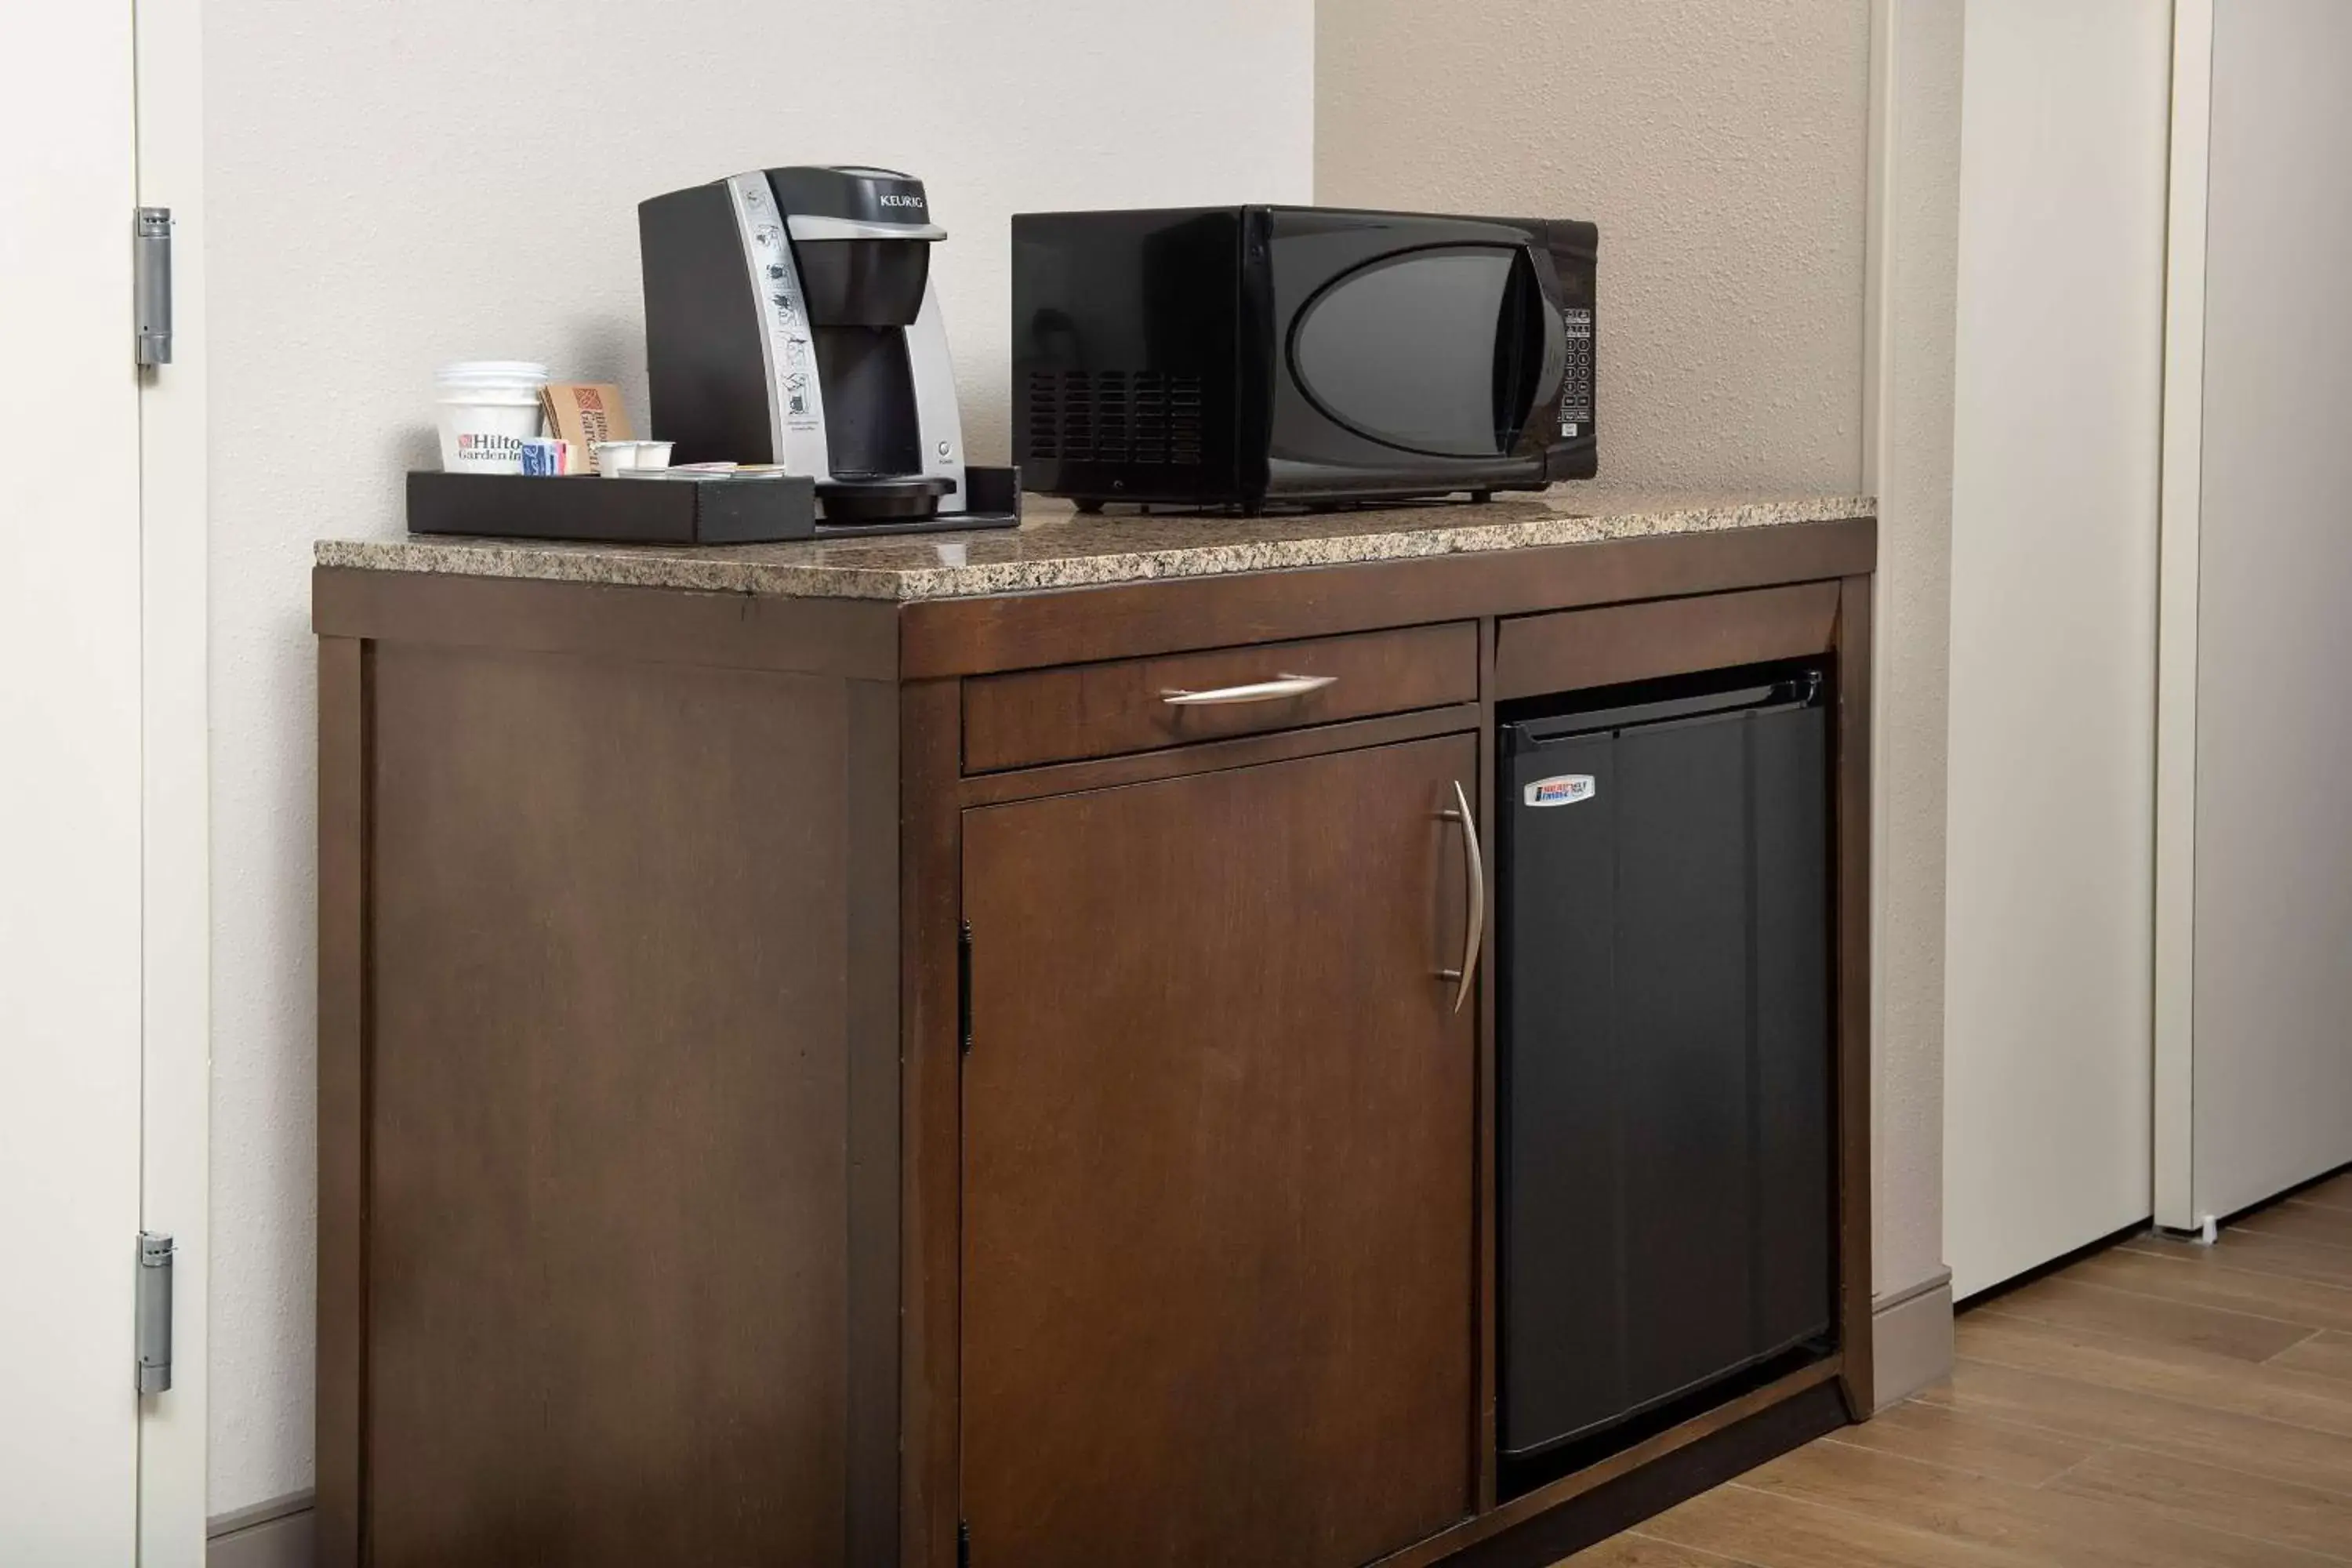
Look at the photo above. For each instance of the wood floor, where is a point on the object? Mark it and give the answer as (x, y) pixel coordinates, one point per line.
(2158, 1404)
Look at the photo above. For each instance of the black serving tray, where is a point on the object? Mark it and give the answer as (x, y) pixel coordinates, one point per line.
(717, 508)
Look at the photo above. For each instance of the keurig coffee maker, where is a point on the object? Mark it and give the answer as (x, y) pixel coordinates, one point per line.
(790, 319)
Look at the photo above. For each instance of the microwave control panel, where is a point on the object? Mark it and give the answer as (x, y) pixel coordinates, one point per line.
(1576, 381)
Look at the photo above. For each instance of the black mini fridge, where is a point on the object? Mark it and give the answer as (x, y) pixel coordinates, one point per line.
(1666, 1218)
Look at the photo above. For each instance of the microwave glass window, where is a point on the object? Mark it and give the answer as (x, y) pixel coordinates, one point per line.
(1404, 350)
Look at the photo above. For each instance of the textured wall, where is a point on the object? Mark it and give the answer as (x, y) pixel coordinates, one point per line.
(1723, 148)
(1920, 231)
(392, 187)
(1720, 144)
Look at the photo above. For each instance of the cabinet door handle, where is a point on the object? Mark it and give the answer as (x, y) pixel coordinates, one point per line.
(1255, 691)
(1475, 864)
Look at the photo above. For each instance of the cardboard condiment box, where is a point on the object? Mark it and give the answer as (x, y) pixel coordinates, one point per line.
(584, 413)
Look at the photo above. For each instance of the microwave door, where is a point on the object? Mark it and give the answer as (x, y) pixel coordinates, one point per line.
(1402, 351)
(1443, 351)
(1552, 324)
(1531, 352)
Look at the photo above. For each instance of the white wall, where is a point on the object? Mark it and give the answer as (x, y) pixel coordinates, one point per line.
(392, 187)
(2050, 898)
(2272, 1061)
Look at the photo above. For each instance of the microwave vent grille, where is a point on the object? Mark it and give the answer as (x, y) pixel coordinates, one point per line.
(1144, 416)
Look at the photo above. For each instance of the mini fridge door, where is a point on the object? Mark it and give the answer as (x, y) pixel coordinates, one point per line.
(1666, 1213)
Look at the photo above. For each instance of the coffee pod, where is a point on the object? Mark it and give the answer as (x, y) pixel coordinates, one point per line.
(631, 457)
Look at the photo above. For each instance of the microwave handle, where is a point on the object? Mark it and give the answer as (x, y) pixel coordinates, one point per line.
(1555, 336)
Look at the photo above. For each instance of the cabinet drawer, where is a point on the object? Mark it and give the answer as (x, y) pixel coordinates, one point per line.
(1574, 650)
(1136, 704)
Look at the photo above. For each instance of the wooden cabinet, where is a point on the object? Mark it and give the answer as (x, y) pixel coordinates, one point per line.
(1104, 709)
(664, 1213)
(1218, 1152)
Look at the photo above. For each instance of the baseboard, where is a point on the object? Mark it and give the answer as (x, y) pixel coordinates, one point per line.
(1911, 1347)
(274, 1535)
(1911, 1338)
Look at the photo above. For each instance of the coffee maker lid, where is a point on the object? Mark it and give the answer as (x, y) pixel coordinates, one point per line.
(852, 202)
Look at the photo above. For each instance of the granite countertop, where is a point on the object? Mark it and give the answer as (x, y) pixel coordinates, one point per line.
(1056, 548)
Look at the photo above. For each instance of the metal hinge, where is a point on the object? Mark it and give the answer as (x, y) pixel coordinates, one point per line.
(153, 1314)
(150, 269)
(963, 986)
(963, 1544)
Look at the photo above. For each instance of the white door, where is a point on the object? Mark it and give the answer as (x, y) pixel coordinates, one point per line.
(2255, 1075)
(2057, 400)
(70, 789)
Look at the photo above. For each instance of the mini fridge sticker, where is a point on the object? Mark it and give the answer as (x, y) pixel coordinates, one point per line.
(1560, 789)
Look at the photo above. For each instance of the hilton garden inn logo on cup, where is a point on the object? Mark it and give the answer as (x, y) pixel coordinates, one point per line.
(1560, 789)
(476, 447)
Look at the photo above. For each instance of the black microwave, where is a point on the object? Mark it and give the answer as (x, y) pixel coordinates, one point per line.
(1253, 356)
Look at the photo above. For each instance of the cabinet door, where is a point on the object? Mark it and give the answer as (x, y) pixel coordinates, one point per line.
(1218, 1168)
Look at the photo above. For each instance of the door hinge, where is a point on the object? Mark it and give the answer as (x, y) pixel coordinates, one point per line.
(151, 271)
(152, 1313)
(963, 986)
(963, 1544)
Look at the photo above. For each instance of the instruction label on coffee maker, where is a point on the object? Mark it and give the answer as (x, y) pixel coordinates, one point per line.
(796, 400)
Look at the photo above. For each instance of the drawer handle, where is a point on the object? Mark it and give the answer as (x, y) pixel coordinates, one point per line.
(1474, 865)
(1255, 691)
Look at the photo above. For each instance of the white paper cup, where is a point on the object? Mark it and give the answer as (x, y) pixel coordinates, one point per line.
(487, 410)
